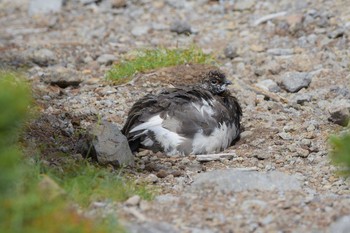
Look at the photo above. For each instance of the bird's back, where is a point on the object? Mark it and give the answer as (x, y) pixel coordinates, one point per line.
(183, 121)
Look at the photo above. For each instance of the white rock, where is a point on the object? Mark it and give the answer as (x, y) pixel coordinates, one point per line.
(133, 201)
(44, 6)
(268, 85)
(106, 59)
(151, 178)
(139, 30)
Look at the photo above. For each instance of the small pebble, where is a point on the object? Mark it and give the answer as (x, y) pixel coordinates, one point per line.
(133, 201)
(151, 178)
(162, 174)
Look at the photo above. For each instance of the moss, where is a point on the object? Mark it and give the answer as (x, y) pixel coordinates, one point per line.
(149, 59)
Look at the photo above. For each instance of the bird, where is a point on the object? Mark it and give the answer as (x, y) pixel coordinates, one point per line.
(203, 118)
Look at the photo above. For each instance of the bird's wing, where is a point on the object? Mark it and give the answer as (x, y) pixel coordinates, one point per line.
(182, 111)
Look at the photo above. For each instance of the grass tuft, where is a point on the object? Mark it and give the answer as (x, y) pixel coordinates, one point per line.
(340, 153)
(35, 197)
(149, 59)
(85, 183)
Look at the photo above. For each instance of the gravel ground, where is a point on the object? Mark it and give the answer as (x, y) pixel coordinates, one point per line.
(289, 61)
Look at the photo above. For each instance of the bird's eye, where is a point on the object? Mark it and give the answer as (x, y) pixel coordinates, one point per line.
(214, 81)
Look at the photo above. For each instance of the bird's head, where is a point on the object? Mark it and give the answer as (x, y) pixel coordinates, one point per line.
(215, 82)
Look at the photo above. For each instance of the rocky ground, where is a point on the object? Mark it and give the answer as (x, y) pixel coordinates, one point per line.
(289, 61)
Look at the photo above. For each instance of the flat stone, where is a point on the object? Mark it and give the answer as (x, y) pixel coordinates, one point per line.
(151, 227)
(87, 2)
(44, 6)
(246, 134)
(244, 5)
(280, 52)
(107, 145)
(139, 30)
(341, 225)
(162, 174)
(43, 57)
(273, 67)
(268, 85)
(118, 3)
(285, 136)
(62, 77)
(133, 201)
(302, 98)
(237, 180)
(339, 32)
(339, 111)
(166, 198)
(181, 27)
(230, 51)
(151, 178)
(294, 81)
(106, 59)
(257, 48)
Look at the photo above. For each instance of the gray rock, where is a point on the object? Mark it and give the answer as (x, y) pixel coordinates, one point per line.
(166, 198)
(108, 145)
(118, 3)
(159, 26)
(273, 67)
(43, 57)
(341, 90)
(268, 85)
(151, 227)
(312, 38)
(237, 180)
(181, 27)
(280, 52)
(106, 59)
(87, 2)
(339, 112)
(302, 152)
(285, 136)
(230, 51)
(244, 5)
(179, 4)
(339, 32)
(140, 30)
(342, 225)
(133, 201)
(44, 6)
(246, 134)
(201, 230)
(302, 98)
(294, 81)
(151, 178)
(262, 155)
(62, 77)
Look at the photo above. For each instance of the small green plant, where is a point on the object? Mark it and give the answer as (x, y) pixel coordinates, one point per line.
(149, 59)
(37, 198)
(14, 102)
(85, 182)
(341, 152)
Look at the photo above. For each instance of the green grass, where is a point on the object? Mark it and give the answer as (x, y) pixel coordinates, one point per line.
(36, 205)
(14, 102)
(149, 59)
(36, 197)
(340, 153)
(85, 183)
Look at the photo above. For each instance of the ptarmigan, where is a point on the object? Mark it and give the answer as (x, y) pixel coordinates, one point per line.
(201, 119)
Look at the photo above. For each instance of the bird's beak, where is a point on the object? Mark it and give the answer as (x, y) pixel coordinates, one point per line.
(228, 82)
